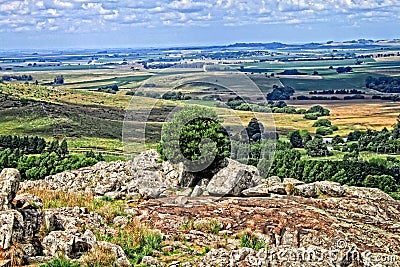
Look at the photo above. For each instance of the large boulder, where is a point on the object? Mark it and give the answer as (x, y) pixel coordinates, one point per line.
(9, 183)
(119, 179)
(233, 179)
(331, 189)
(315, 189)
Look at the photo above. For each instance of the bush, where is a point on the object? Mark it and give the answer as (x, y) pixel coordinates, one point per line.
(250, 241)
(334, 128)
(324, 131)
(321, 111)
(316, 148)
(311, 116)
(322, 122)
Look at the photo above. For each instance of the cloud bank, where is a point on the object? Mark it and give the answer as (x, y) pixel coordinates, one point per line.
(86, 16)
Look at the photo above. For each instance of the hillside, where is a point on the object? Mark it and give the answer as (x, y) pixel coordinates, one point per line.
(318, 224)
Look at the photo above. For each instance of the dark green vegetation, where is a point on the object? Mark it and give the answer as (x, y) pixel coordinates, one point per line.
(195, 134)
(26, 144)
(380, 173)
(280, 93)
(248, 240)
(384, 141)
(383, 84)
(109, 89)
(54, 157)
(60, 262)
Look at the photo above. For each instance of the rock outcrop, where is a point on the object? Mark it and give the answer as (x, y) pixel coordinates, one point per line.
(352, 230)
(22, 218)
(144, 175)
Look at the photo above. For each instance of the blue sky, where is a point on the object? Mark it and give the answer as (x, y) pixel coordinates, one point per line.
(130, 23)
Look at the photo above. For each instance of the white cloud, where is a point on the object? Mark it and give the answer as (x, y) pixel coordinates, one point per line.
(89, 15)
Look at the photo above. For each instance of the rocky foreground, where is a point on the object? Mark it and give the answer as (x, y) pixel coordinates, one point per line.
(234, 218)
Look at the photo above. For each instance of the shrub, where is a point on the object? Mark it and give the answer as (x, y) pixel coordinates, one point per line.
(321, 111)
(322, 122)
(311, 116)
(250, 241)
(324, 131)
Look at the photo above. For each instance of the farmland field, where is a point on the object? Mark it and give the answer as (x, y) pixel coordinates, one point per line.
(93, 120)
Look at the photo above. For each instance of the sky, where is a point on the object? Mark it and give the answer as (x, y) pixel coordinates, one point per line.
(43, 24)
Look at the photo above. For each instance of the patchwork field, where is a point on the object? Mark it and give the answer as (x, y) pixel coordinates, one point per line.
(92, 120)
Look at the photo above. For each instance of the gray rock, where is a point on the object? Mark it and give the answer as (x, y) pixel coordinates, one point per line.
(261, 190)
(327, 188)
(149, 260)
(233, 179)
(11, 228)
(9, 183)
(292, 181)
(120, 221)
(197, 191)
(277, 189)
(72, 219)
(273, 180)
(307, 190)
(187, 179)
(187, 192)
(330, 188)
(71, 245)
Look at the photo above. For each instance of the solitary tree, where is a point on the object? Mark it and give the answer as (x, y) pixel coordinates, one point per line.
(194, 136)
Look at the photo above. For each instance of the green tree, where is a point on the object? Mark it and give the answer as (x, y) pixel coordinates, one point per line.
(194, 136)
(295, 139)
(316, 148)
(306, 136)
(337, 140)
(63, 151)
(384, 182)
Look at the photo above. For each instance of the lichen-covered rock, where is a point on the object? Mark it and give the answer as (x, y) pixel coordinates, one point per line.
(197, 191)
(9, 183)
(261, 190)
(71, 245)
(117, 179)
(233, 179)
(11, 228)
(116, 251)
(307, 190)
(331, 189)
(72, 219)
(315, 189)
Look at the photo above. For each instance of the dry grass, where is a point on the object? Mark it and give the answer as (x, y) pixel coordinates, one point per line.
(98, 257)
(105, 207)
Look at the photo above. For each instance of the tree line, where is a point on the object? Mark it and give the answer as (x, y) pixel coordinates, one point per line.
(50, 158)
(383, 84)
